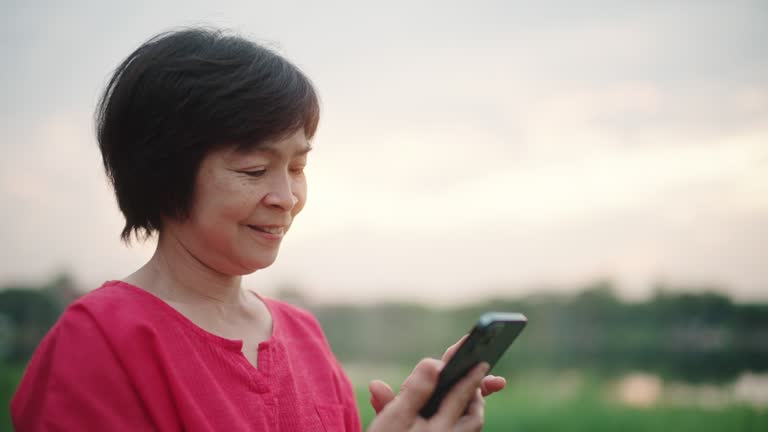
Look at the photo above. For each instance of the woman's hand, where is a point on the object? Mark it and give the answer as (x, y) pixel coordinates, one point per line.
(461, 410)
(382, 394)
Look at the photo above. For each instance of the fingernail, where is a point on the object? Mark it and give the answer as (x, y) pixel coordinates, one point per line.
(485, 367)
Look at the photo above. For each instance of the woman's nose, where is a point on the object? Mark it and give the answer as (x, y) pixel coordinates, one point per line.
(280, 194)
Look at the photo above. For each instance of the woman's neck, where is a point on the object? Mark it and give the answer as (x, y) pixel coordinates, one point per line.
(212, 300)
(177, 276)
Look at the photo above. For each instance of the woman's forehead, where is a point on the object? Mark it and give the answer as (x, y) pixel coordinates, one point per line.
(293, 145)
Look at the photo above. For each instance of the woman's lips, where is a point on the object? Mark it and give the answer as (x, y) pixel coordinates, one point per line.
(270, 232)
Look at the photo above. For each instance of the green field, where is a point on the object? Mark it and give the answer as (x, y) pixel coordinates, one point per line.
(9, 379)
(514, 412)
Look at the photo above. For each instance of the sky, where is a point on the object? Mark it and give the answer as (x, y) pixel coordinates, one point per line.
(465, 150)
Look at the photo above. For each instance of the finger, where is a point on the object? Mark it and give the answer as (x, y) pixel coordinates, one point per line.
(474, 419)
(402, 412)
(477, 405)
(455, 403)
(492, 384)
(452, 349)
(469, 424)
(381, 394)
(417, 388)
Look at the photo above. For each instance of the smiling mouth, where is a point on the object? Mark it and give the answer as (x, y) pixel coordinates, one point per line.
(274, 230)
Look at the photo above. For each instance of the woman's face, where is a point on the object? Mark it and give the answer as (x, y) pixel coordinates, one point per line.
(244, 204)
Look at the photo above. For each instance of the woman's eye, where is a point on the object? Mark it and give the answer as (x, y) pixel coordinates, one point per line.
(297, 170)
(255, 173)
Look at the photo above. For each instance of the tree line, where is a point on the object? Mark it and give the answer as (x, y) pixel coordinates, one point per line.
(694, 334)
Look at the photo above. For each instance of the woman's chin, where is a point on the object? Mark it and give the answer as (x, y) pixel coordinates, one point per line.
(260, 263)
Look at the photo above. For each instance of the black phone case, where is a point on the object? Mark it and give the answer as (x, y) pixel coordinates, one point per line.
(487, 342)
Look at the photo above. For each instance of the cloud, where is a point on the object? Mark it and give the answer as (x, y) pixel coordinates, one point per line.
(462, 147)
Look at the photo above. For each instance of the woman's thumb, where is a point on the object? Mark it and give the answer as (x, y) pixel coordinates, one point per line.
(381, 395)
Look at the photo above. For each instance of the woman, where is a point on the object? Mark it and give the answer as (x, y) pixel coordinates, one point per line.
(205, 137)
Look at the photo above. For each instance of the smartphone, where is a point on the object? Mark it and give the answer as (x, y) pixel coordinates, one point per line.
(487, 342)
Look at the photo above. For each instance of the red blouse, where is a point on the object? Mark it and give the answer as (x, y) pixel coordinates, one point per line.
(121, 359)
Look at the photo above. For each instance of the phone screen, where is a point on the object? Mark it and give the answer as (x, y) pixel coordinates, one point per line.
(487, 342)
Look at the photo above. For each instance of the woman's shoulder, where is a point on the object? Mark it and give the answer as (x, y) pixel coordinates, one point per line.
(81, 366)
(109, 292)
(283, 307)
(114, 300)
(114, 310)
(292, 318)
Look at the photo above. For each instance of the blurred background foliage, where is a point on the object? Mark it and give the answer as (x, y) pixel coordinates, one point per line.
(683, 359)
(698, 337)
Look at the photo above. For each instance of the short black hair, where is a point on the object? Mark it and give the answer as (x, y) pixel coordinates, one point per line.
(181, 95)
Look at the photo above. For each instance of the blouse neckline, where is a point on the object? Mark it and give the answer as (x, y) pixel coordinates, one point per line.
(231, 344)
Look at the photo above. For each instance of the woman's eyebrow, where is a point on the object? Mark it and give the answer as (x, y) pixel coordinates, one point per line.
(276, 152)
